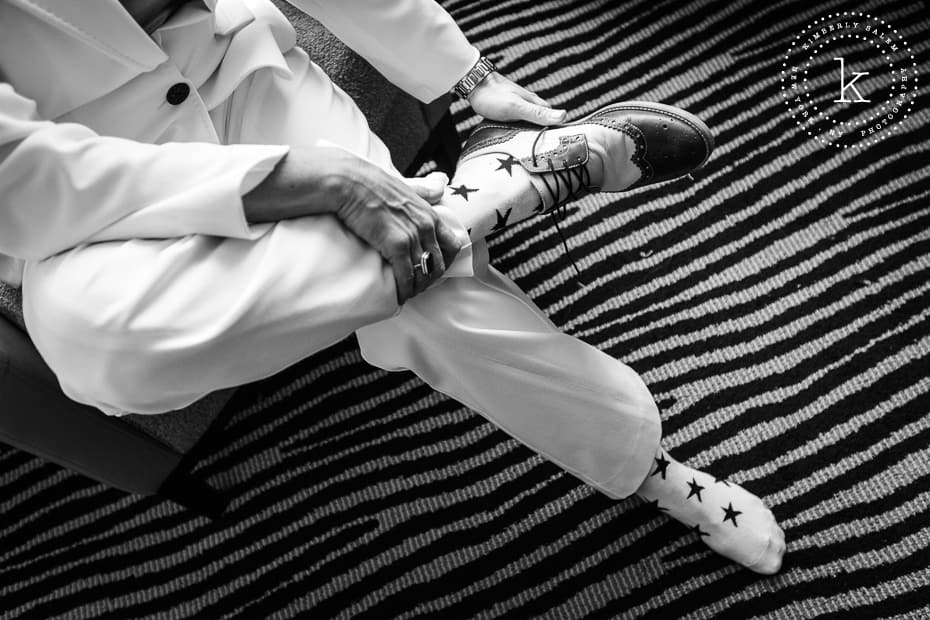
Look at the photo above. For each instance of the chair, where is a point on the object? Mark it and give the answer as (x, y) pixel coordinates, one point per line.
(144, 454)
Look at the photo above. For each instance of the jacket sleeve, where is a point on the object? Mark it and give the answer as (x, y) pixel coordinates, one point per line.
(62, 184)
(413, 43)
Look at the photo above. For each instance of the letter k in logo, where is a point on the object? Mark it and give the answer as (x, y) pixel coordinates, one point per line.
(851, 84)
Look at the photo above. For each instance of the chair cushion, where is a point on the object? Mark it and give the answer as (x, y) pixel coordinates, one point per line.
(11, 304)
(183, 428)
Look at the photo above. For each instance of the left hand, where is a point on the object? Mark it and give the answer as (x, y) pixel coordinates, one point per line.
(499, 99)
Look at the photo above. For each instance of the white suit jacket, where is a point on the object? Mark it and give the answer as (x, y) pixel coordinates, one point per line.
(91, 150)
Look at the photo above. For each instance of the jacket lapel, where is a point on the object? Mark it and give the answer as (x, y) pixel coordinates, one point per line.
(64, 54)
(107, 27)
(70, 53)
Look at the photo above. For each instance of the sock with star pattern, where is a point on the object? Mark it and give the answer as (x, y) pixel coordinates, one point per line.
(729, 519)
(490, 192)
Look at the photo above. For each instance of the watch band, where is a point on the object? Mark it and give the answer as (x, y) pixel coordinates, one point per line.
(474, 77)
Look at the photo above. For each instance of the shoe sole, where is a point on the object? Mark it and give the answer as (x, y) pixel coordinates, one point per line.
(686, 117)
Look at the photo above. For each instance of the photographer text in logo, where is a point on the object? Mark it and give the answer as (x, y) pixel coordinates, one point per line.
(849, 79)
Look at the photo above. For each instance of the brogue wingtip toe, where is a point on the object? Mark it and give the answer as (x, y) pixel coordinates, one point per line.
(673, 142)
(674, 158)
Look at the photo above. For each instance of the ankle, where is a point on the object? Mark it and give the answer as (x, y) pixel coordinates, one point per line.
(677, 487)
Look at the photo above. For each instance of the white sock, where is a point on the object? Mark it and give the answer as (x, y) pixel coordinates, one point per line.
(729, 519)
(490, 192)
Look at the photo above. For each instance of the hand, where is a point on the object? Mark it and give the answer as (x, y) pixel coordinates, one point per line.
(394, 216)
(499, 99)
(391, 214)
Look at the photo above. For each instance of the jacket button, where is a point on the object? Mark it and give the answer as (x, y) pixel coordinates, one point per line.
(178, 93)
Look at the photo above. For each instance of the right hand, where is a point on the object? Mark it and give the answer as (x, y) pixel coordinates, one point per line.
(498, 98)
(393, 215)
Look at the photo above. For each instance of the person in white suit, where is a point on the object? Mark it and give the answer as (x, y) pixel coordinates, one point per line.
(189, 204)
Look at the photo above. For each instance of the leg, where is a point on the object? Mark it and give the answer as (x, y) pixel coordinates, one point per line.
(482, 341)
(149, 326)
(301, 285)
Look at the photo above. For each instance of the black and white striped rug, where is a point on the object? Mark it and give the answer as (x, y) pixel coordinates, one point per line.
(778, 305)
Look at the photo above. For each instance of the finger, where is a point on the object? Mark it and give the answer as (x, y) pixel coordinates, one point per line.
(409, 191)
(430, 188)
(404, 277)
(439, 179)
(429, 243)
(413, 223)
(532, 97)
(538, 114)
(420, 279)
(450, 241)
(425, 190)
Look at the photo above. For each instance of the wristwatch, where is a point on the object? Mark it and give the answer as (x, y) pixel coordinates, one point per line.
(474, 77)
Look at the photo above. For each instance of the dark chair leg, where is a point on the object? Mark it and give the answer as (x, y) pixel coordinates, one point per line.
(194, 494)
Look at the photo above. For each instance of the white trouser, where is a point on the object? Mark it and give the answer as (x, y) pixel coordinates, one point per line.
(151, 325)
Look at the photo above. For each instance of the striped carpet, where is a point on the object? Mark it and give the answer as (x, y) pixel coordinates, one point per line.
(778, 305)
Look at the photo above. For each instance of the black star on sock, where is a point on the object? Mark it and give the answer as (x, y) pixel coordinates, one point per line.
(501, 220)
(655, 504)
(462, 190)
(506, 164)
(721, 481)
(695, 489)
(730, 514)
(697, 529)
(662, 464)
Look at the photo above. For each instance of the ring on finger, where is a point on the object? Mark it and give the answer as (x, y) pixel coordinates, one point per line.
(426, 263)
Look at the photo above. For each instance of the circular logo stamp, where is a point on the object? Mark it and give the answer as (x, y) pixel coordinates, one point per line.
(849, 79)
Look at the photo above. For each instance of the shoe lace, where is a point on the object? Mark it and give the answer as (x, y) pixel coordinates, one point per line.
(562, 179)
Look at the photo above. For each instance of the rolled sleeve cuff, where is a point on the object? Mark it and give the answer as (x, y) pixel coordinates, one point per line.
(250, 164)
(212, 205)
